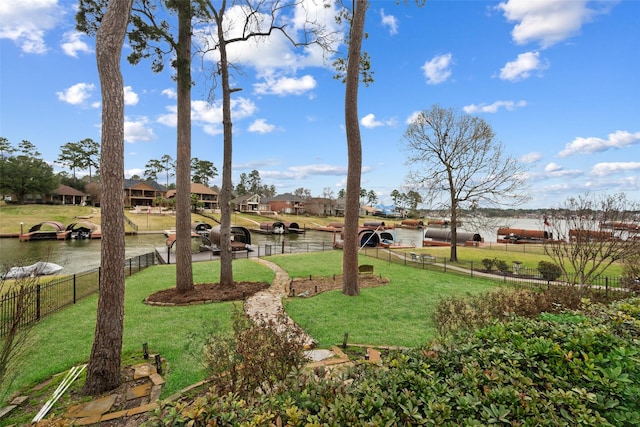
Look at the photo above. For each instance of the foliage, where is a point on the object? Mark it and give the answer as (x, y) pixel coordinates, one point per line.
(252, 184)
(549, 270)
(80, 155)
(456, 313)
(25, 173)
(155, 167)
(488, 263)
(256, 358)
(501, 265)
(202, 171)
(527, 372)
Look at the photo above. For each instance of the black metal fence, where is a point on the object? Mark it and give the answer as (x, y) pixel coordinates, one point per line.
(514, 274)
(28, 300)
(285, 248)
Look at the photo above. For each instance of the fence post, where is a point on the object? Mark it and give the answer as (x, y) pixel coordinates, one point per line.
(74, 288)
(606, 286)
(282, 245)
(445, 264)
(38, 301)
(471, 268)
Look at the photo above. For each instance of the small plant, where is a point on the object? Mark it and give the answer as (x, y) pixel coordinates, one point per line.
(260, 355)
(549, 270)
(501, 265)
(488, 263)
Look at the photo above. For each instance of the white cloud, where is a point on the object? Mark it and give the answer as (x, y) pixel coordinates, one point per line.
(369, 121)
(133, 171)
(437, 69)
(73, 43)
(26, 22)
(531, 157)
(306, 170)
(618, 139)
(77, 94)
(170, 93)
(261, 126)
(130, 97)
(550, 21)
(610, 168)
(412, 117)
(493, 108)
(554, 170)
(389, 21)
(552, 167)
(523, 66)
(285, 85)
(275, 52)
(137, 130)
(209, 116)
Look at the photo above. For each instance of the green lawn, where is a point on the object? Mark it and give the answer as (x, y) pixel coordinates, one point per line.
(398, 314)
(64, 339)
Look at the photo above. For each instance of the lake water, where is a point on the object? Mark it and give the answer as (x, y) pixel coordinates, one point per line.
(81, 255)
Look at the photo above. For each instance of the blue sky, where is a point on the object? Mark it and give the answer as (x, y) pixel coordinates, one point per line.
(558, 80)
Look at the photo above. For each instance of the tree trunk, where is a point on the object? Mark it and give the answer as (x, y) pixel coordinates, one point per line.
(453, 256)
(103, 372)
(226, 256)
(350, 284)
(184, 272)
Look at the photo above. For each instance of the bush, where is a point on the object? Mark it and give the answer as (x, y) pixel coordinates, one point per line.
(258, 356)
(488, 264)
(502, 266)
(454, 314)
(522, 372)
(549, 270)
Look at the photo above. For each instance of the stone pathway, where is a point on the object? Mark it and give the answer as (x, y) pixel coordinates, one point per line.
(267, 305)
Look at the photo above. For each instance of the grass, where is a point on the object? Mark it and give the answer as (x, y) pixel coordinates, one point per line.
(529, 255)
(398, 314)
(12, 215)
(65, 338)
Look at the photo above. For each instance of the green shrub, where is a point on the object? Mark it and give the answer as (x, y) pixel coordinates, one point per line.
(453, 314)
(549, 270)
(522, 372)
(259, 356)
(488, 264)
(501, 265)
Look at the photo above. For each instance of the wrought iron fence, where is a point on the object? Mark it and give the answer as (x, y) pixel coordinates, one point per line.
(267, 249)
(29, 300)
(514, 274)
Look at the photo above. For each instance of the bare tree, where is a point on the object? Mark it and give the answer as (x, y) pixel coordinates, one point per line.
(457, 163)
(589, 233)
(259, 20)
(103, 371)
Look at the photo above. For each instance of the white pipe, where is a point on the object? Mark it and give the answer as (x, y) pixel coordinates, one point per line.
(64, 385)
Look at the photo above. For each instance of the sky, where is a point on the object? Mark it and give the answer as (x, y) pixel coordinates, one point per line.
(557, 80)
